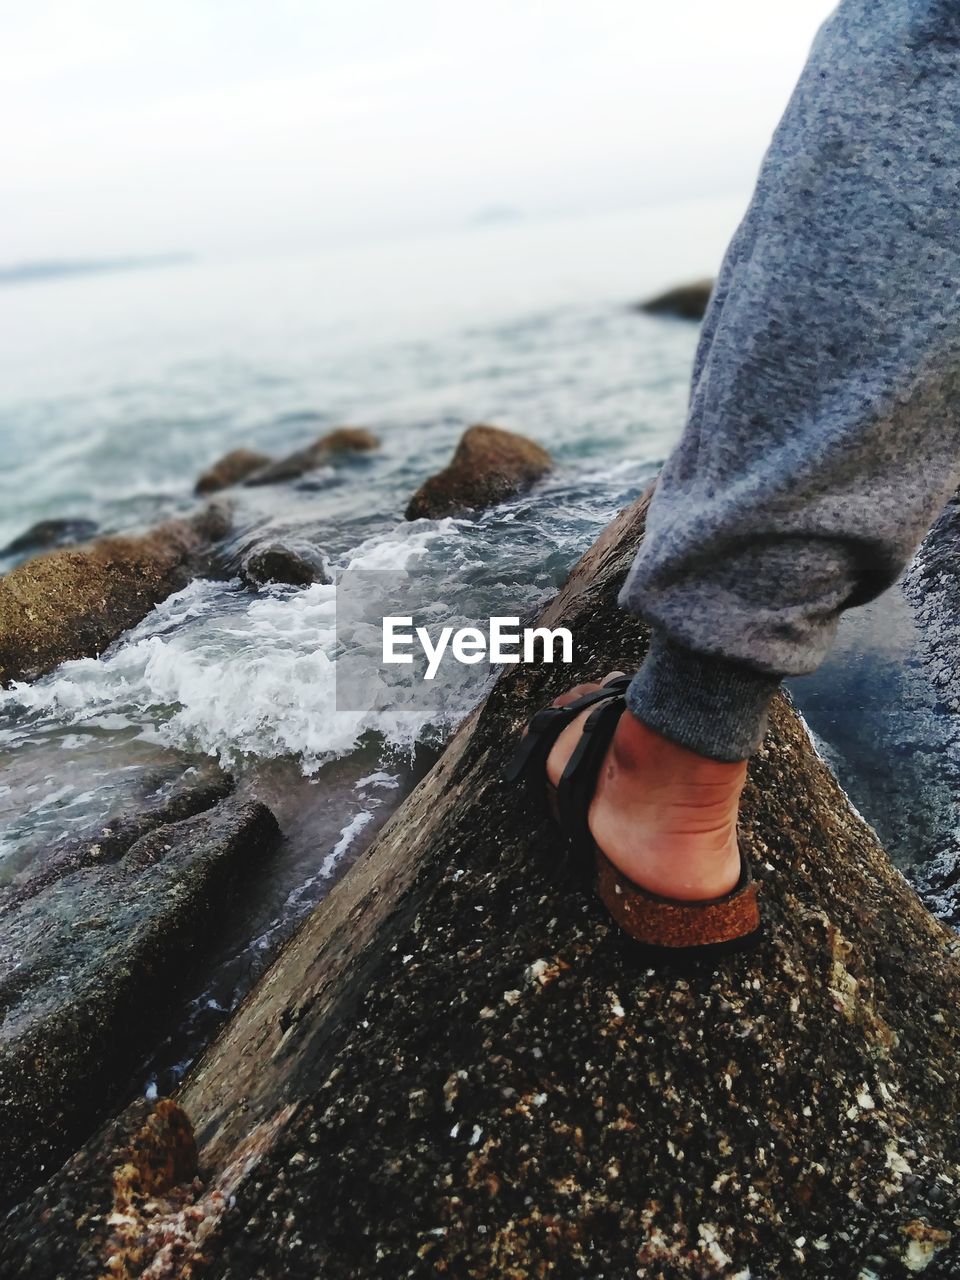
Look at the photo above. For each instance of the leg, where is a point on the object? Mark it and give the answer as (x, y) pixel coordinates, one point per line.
(824, 426)
(823, 433)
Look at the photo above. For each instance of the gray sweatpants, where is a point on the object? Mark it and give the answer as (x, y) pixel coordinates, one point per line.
(823, 434)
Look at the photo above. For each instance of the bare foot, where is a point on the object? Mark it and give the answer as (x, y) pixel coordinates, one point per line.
(665, 816)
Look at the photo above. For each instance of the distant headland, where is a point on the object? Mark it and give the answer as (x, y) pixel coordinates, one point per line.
(26, 272)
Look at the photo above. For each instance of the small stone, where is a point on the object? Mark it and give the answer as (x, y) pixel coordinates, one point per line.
(542, 971)
(283, 564)
(418, 1101)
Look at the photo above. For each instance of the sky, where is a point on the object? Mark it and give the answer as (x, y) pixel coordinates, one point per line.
(235, 126)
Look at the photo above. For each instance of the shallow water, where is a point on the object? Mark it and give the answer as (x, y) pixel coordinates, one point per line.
(880, 723)
(117, 391)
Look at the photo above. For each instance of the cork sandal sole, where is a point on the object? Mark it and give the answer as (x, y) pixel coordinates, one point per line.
(662, 929)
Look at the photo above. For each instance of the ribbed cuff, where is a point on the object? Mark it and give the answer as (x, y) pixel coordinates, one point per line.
(708, 705)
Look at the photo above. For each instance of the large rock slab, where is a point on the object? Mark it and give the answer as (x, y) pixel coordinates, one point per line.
(73, 603)
(459, 1066)
(494, 1086)
(91, 957)
(489, 465)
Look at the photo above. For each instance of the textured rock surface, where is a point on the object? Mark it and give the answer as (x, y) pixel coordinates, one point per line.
(90, 961)
(488, 466)
(514, 1095)
(932, 584)
(231, 469)
(687, 301)
(122, 1188)
(73, 603)
(189, 795)
(459, 1067)
(50, 533)
(297, 566)
(339, 441)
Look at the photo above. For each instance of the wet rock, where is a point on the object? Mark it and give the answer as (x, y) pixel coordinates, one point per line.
(72, 603)
(469, 1070)
(340, 441)
(460, 1067)
(231, 469)
(938, 883)
(260, 554)
(50, 533)
(145, 1157)
(687, 301)
(91, 961)
(189, 795)
(932, 584)
(279, 562)
(488, 466)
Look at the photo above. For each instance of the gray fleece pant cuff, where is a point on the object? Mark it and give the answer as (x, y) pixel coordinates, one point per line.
(716, 708)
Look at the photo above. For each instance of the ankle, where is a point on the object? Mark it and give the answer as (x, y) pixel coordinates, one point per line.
(667, 816)
(639, 749)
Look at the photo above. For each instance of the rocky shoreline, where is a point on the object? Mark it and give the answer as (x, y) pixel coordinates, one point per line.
(99, 934)
(456, 1066)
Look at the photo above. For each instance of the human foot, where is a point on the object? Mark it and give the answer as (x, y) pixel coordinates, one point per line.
(664, 816)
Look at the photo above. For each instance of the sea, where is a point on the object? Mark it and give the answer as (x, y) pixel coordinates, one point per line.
(118, 389)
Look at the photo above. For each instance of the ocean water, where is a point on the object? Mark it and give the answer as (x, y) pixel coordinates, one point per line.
(116, 391)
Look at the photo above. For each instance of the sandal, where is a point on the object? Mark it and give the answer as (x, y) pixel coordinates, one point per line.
(664, 927)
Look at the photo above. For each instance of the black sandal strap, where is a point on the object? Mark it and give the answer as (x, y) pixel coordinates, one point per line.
(546, 726)
(578, 781)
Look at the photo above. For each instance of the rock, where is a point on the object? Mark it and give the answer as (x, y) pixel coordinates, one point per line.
(938, 883)
(231, 469)
(932, 585)
(340, 441)
(72, 603)
(459, 1066)
(50, 533)
(488, 466)
(687, 301)
(146, 1157)
(278, 562)
(189, 795)
(347, 440)
(91, 961)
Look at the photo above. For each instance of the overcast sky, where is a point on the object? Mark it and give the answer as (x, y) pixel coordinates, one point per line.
(236, 125)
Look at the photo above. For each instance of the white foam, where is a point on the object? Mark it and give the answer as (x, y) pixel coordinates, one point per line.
(214, 670)
(347, 837)
(405, 544)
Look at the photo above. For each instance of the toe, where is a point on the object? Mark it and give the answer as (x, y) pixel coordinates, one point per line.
(578, 690)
